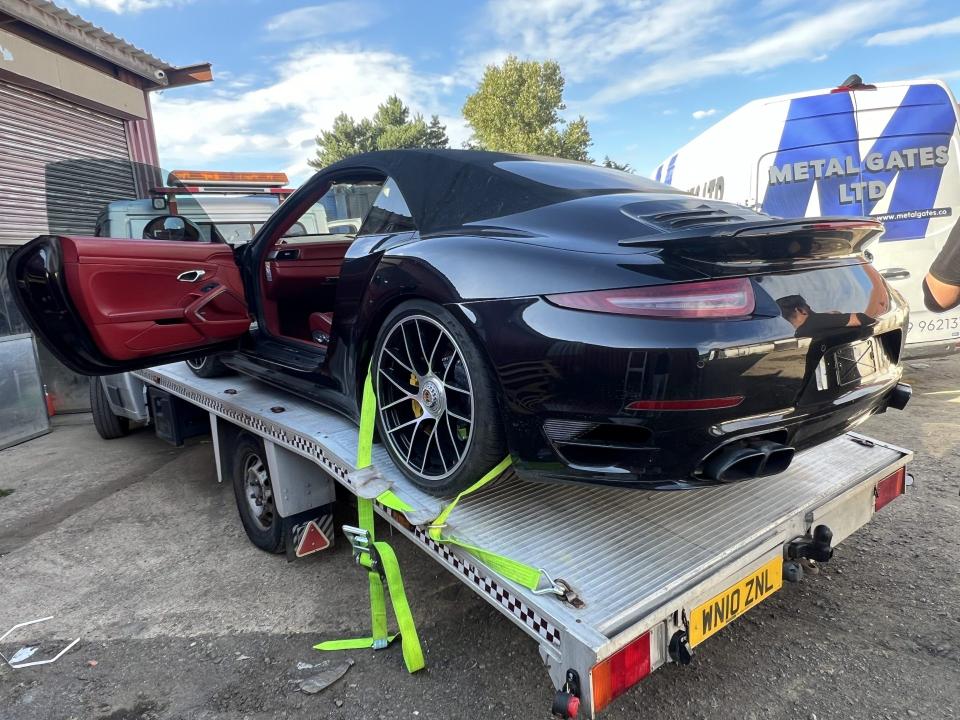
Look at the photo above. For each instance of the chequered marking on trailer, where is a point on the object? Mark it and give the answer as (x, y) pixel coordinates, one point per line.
(263, 427)
(543, 627)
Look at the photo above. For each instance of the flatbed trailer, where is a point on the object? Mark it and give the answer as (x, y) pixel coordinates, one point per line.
(630, 579)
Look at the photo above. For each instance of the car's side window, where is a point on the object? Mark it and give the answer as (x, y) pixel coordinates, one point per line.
(389, 213)
(335, 217)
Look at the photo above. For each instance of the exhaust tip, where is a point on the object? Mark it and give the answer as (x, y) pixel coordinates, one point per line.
(733, 464)
(899, 396)
(778, 461)
(748, 459)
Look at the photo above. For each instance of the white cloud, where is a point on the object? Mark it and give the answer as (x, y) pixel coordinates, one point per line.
(318, 20)
(908, 35)
(278, 121)
(701, 114)
(586, 35)
(945, 75)
(794, 43)
(128, 6)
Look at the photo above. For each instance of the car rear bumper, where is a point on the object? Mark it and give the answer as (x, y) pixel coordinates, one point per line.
(568, 376)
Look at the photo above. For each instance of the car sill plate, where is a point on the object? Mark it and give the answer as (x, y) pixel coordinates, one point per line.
(720, 610)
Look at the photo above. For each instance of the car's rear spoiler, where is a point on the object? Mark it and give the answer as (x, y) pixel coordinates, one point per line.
(765, 242)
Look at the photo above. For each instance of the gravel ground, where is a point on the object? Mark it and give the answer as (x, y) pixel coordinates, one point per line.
(134, 546)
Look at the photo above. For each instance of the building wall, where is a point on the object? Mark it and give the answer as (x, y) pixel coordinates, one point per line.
(27, 63)
(75, 134)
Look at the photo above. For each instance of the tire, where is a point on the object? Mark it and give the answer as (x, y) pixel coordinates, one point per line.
(207, 366)
(252, 478)
(437, 409)
(109, 425)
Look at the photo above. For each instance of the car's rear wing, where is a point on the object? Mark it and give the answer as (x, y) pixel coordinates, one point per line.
(765, 242)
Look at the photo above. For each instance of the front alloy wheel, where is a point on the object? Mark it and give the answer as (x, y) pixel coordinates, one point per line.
(207, 366)
(436, 408)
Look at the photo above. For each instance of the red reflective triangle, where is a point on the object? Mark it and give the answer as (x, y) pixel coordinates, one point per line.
(313, 540)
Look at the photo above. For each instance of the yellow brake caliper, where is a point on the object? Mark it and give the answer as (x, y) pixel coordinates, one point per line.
(417, 410)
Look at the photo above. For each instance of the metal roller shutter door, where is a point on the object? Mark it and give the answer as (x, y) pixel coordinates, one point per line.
(60, 164)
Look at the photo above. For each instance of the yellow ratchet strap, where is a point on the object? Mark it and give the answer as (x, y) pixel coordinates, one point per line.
(382, 565)
(524, 575)
(518, 572)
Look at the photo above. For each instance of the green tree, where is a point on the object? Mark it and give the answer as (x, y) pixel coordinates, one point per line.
(437, 134)
(391, 126)
(614, 165)
(516, 108)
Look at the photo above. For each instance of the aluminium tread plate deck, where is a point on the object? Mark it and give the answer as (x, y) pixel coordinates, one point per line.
(623, 551)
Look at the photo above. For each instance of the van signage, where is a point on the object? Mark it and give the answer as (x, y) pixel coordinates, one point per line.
(890, 151)
(858, 190)
(896, 174)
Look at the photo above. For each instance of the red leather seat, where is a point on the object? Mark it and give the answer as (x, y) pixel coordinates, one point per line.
(321, 324)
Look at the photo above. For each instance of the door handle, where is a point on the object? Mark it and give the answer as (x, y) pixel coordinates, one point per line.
(895, 273)
(191, 276)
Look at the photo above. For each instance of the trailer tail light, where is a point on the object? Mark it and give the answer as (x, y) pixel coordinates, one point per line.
(725, 298)
(620, 672)
(890, 488)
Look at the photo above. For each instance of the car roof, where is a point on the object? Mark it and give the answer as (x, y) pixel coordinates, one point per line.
(448, 189)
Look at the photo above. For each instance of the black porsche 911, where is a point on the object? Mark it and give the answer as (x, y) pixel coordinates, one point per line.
(598, 326)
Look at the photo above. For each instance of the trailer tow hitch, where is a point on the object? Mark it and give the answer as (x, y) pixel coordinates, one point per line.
(818, 549)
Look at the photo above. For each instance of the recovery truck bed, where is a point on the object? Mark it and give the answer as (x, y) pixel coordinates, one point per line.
(631, 579)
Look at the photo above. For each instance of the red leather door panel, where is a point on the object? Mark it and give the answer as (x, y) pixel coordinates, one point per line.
(296, 269)
(130, 298)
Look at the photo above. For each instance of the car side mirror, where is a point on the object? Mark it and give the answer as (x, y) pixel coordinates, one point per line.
(171, 227)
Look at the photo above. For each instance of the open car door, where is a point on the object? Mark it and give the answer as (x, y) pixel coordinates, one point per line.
(107, 305)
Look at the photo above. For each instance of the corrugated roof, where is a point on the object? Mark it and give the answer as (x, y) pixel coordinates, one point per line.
(63, 24)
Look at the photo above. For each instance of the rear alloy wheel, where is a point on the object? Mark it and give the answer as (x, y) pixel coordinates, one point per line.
(436, 403)
(207, 366)
(253, 489)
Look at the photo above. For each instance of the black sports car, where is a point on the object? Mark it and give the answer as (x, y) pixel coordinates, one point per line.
(596, 325)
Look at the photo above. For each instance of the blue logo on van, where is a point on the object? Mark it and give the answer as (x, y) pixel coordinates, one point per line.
(820, 148)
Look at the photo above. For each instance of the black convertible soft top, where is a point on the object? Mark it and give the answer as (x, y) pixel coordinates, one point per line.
(447, 189)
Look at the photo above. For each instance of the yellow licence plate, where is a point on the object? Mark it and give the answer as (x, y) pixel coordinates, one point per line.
(720, 610)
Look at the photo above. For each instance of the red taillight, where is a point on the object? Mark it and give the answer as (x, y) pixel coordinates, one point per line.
(729, 297)
(619, 672)
(699, 404)
(890, 488)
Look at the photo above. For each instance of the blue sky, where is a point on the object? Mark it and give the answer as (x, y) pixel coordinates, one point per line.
(648, 75)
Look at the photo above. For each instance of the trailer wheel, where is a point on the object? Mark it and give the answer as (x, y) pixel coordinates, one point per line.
(207, 366)
(109, 425)
(253, 489)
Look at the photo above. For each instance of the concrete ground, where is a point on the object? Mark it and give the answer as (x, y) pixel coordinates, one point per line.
(133, 546)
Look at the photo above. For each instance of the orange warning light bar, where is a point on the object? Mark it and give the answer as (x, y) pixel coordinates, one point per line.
(216, 177)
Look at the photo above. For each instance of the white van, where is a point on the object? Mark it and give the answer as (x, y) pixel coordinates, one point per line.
(889, 151)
